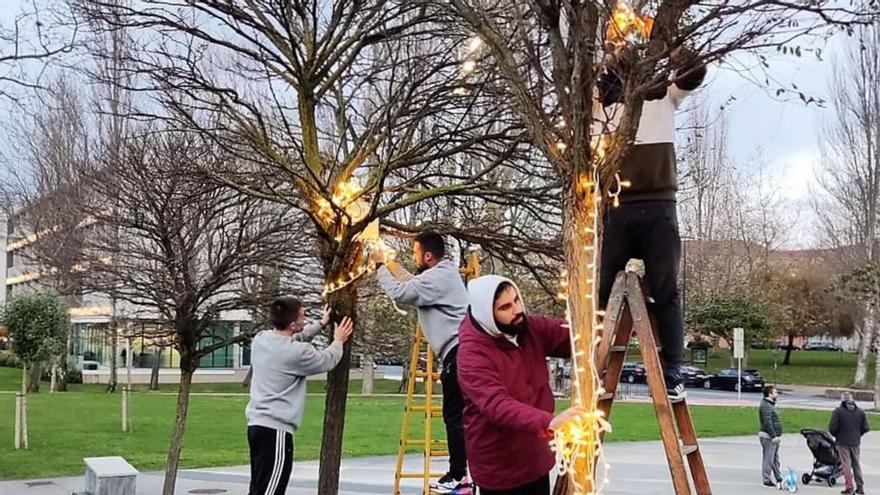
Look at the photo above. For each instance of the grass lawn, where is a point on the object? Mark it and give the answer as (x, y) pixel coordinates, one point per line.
(10, 380)
(66, 427)
(834, 369)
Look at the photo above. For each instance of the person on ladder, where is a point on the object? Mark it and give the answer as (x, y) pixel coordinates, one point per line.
(438, 292)
(645, 225)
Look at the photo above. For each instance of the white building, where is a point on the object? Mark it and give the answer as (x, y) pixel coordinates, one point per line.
(91, 315)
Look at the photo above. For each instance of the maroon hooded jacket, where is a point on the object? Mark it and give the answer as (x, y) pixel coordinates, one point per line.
(508, 404)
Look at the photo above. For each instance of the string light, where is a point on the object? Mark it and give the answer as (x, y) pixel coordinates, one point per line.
(578, 443)
(627, 26)
(468, 66)
(474, 44)
(468, 62)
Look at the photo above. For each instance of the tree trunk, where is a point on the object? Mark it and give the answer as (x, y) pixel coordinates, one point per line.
(369, 368)
(154, 373)
(869, 326)
(787, 360)
(246, 383)
(877, 378)
(344, 304)
(404, 380)
(36, 372)
(581, 233)
(173, 462)
(53, 373)
(114, 350)
(63, 367)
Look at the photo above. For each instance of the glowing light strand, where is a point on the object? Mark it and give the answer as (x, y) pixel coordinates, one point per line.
(578, 444)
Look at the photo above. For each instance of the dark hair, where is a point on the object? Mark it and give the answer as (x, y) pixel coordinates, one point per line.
(432, 242)
(502, 287)
(284, 311)
(768, 389)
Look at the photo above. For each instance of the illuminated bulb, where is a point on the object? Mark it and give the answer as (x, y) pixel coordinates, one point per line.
(561, 146)
(459, 91)
(625, 183)
(468, 66)
(474, 44)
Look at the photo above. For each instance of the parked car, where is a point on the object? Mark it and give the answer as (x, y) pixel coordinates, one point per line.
(727, 380)
(784, 347)
(633, 373)
(822, 346)
(693, 376)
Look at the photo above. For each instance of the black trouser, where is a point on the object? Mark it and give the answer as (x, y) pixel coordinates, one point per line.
(648, 231)
(453, 404)
(540, 486)
(271, 460)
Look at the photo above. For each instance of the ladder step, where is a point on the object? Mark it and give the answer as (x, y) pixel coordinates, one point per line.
(434, 409)
(422, 374)
(420, 475)
(439, 453)
(606, 396)
(618, 348)
(420, 442)
(689, 449)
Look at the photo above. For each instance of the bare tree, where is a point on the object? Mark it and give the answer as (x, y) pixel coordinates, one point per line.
(51, 148)
(37, 35)
(387, 334)
(549, 56)
(348, 111)
(851, 172)
(172, 245)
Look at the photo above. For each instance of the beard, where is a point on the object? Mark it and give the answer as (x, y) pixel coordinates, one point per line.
(518, 326)
(421, 267)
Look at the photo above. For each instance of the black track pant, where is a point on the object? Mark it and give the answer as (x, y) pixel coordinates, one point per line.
(271, 460)
(648, 231)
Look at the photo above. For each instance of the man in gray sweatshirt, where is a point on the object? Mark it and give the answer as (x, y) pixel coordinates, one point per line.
(281, 359)
(442, 300)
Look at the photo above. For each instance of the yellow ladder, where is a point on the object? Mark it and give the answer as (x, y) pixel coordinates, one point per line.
(423, 406)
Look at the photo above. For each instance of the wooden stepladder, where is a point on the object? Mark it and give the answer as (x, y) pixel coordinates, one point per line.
(424, 407)
(627, 314)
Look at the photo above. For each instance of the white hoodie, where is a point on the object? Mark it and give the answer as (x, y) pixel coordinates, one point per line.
(481, 296)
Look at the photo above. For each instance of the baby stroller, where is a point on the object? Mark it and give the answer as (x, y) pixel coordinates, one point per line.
(826, 466)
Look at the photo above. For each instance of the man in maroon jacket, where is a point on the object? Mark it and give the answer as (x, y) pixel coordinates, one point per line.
(508, 404)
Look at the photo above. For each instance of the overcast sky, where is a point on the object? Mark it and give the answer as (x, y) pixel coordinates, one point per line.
(785, 131)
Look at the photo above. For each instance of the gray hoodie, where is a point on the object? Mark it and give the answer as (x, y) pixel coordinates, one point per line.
(441, 298)
(280, 366)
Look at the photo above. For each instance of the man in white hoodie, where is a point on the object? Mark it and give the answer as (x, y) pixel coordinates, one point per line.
(438, 292)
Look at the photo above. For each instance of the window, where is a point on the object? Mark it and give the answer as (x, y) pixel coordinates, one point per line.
(220, 358)
(10, 259)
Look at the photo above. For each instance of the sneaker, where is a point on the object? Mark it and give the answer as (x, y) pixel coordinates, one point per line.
(675, 388)
(449, 485)
(770, 484)
(860, 491)
(848, 491)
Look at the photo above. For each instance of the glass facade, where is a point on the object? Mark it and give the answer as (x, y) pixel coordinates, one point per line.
(91, 342)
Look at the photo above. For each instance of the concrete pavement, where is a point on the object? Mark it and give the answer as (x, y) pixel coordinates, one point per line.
(637, 468)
